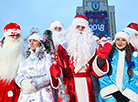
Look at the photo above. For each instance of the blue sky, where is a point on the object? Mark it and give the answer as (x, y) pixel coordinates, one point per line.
(39, 13)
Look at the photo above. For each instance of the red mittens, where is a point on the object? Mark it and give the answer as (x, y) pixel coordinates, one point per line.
(55, 71)
(104, 51)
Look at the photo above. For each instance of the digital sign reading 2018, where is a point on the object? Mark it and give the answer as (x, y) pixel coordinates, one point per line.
(98, 22)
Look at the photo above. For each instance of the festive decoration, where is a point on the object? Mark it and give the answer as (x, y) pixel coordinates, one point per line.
(50, 48)
(109, 60)
(130, 64)
(47, 39)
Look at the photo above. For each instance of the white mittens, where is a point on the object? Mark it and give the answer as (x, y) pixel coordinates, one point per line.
(27, 87)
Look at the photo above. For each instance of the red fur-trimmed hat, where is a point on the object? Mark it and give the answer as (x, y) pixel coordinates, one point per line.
(12, 29)
(80, 20)
(132, 27)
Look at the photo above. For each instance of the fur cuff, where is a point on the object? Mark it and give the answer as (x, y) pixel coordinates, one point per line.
(97, 70)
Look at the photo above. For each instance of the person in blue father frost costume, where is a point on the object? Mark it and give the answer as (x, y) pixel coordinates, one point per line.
(121, 83)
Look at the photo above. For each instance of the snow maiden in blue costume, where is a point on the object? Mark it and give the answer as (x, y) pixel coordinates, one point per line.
(121, 83)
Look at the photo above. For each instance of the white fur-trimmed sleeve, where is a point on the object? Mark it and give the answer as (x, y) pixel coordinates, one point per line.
(131, 95)
(107, 91)
(97, 70)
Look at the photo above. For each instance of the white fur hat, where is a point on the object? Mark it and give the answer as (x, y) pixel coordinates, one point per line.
(103, 38)
(95, 38)
(55, 24)
(35, 36)
(123, 34)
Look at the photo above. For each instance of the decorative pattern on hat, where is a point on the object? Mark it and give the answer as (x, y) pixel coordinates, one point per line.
(123, 34)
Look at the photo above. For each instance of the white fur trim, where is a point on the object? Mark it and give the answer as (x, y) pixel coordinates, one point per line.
(120, 70)
(80, 21)
(35, 36)
(132, 30)
(97, 69)
(10, 93)
(131, 95)
(123, 35)
(52, 83)
(9, 32)
(107, 91)
(81, 88)
(61, 76)
(135, 54)
(103, 38)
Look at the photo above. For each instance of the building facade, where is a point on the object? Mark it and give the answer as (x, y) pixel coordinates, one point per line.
(101, 17)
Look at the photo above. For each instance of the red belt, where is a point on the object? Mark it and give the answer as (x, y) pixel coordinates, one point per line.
(82, 75)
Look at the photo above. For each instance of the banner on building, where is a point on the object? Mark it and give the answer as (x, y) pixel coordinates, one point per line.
(98, 22)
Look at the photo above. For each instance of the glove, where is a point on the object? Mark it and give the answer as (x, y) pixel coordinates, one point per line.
(120, 97)
(104, 52)
(27, 87)
(100, 62)
(55, 71)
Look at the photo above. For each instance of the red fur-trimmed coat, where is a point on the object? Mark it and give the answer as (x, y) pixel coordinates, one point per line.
(9, 92)
(78, 85)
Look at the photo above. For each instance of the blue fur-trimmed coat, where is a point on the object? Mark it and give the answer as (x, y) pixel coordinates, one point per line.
(118, 80)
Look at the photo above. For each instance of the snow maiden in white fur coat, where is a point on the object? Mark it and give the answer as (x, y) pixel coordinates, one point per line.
(33, 74)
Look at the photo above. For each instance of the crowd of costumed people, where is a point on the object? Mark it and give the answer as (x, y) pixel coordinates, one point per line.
(68, 65)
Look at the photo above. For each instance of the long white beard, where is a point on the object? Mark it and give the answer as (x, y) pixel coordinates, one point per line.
(58, 38)
(80, 46)
(9, 58)
(134, 41)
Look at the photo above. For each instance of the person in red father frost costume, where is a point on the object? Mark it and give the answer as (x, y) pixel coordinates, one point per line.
(9, 58)
(132, 29)
(74, 61)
